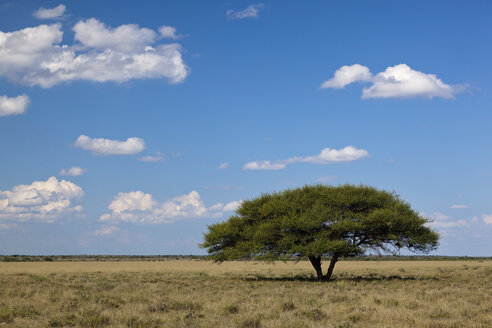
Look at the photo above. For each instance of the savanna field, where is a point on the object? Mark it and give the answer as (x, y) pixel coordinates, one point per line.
(198, 293)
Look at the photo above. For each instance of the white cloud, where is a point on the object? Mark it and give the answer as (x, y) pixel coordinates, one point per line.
(34, 55)
(156, 158)
(228, 207)
(263, 165)
(440, 220)
(439, 216)
(13, 105)
(105, 230)
(139, 207)
(459, 206)
(346, 75)
(44, 13)
(126, 38)
(41, 200)
(223, 166)
(399, 81)
(74, 171)
(134, 200)
(251, 11)
(449, 224)
(169, 32)
(326, 156)
(101, 146)
(402, 81)
(487, 218)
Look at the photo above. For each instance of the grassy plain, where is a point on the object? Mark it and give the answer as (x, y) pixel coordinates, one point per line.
(197, 293)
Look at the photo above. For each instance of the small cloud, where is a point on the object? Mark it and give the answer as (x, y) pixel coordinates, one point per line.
(223, 166)
(326, 156)
(156, 158)
(263, 165)
(440, 220)
(13, 105)
(487, 218)
(459, 206)
(101, 146)
(439, 216)
(474, 219)
(169, 32)
(346, 75)
(56, 12)
(104, 231)
(391, 160)
(74, 171)
(228, 207)
(329, 155)
(251, 11)
(399, 81)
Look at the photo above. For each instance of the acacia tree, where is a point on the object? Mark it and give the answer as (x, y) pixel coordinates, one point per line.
(318, 221)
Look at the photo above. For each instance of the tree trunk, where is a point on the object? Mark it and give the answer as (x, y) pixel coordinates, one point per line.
(316, 262)
(333, 261)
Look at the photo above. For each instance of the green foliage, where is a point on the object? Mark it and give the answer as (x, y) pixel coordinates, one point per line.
(317, 221)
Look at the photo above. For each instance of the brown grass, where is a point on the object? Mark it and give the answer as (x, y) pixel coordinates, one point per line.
(193, 293)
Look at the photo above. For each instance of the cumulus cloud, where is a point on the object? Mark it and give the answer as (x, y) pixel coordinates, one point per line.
(169, 32)
(251, 11)
(35, 55)
(487, 218)
(101, 146)
(399, 81)
(326, 156)
(140, 207)
(40, 201)
(13, 105)
(74, 171)
(440, 220)
(459, 206)
(402, 81)
(127, 38)
(223, 166)
(346, 75)
(44, 13)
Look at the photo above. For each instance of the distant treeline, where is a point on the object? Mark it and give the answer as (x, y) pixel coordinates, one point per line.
(78, 258)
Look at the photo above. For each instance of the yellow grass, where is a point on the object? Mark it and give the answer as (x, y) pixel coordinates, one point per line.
(194, 293)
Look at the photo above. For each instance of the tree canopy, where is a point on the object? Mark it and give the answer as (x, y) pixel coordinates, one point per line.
(317, 221)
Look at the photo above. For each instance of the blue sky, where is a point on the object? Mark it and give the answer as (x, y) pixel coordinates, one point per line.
(127, 127)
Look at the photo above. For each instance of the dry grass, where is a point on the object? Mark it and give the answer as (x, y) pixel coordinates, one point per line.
(187, 293)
